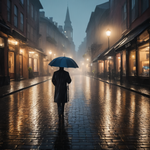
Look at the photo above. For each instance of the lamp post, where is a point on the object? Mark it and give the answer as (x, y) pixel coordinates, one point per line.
(108, 33)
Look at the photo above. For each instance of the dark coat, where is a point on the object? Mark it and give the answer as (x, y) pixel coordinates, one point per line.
(60, 79)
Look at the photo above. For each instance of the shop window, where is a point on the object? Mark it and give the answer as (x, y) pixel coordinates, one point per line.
(30, 62)
(132, 63)
(144, 4)
(143, 61)
(101, 67)
(8, 10)
(21, 65)
(134, 9)
(11, 62)
(143, 37)
(35, 65)
(15, 16)
(124, 62)
(1, 42)
(21, 21)
(118, 64)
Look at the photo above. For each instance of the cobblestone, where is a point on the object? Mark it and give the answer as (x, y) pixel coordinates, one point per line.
(98, 116)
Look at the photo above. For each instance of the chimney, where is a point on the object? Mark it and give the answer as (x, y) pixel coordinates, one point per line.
(42, 14)
(51, 19)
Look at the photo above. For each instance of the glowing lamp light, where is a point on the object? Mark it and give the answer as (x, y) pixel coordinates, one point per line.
(21, 51)
(31, 52)
(50, 52)
(108, 32)
(87, 59)
(119, 58)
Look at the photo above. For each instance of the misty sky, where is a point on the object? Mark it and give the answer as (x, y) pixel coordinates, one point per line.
(80, 12)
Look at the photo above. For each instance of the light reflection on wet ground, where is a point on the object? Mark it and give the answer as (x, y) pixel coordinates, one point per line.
(98, 116)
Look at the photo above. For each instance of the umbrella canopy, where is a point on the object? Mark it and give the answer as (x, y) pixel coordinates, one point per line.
(63, 62)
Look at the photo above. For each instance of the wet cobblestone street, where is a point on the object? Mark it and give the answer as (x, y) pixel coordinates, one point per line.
(98, 116)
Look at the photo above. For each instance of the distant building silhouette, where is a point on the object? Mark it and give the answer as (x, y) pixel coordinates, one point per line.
(68, 30)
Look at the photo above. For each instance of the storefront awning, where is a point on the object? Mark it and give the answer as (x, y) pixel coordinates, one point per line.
(125, 41)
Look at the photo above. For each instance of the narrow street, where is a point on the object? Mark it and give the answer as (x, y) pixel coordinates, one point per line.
(98, 116)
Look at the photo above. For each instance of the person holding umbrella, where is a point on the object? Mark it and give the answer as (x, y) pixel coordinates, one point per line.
(60, 80)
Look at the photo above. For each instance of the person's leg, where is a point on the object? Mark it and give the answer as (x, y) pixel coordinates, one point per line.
(59, 108)
(62, 111)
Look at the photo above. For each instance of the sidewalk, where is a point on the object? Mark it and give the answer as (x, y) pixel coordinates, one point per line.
(145, 91)
(16, 86)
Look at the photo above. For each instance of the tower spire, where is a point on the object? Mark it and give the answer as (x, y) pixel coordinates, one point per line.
(68, 27)
(67, 20)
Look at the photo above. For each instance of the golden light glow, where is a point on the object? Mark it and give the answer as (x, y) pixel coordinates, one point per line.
(87, 59)
(119, 58)
(21, 51)
(31, 52)
(108, 32)
(50, 52)
(12, 42)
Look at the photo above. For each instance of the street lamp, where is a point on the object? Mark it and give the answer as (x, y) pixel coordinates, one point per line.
(108, 33)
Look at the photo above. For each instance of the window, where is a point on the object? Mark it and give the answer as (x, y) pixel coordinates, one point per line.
(28, 31)
(8, 10)
(21, 21)
(31, 33)
(30, 62)
(124, 17)
(134, 9)
(35, 17)
(28, 6)
(132, 63)
(144, 60)
(22, 2)
(118, 64)
(31, 10)
(145, 5)
(35, 65)
(15, 16)
(124, 62)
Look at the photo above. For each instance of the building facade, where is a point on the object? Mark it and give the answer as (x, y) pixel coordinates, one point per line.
(53, 41)
(19, 33)
(127, 56)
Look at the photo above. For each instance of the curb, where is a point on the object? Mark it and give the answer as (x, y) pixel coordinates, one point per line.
(146, 95)
(2, 96)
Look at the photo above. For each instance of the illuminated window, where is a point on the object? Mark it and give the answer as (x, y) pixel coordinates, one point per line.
(35, 65)
(30, 62)
(124, 62)
(132, 63)
(118, 64)
(143, 61)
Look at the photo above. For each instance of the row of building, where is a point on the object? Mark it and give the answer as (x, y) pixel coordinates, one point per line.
(117, 43)
(29, 40)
